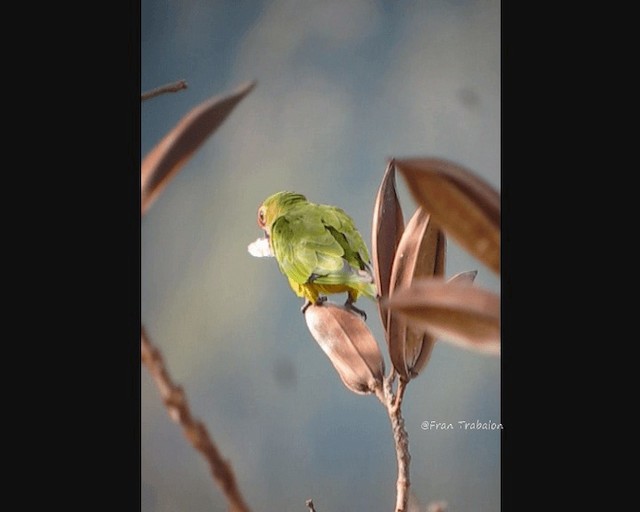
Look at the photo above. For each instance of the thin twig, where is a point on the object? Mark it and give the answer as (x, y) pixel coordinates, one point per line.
(173, 87)
(176, 402)
(309, 504)
(393, 404)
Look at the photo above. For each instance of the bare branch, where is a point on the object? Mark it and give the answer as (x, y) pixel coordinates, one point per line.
(173, 87)
(400, 437)
(309, 504)
(177, 406)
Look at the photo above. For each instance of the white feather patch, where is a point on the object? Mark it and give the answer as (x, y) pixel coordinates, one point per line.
(260, 248)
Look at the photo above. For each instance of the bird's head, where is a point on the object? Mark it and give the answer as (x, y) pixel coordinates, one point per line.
(275, 206)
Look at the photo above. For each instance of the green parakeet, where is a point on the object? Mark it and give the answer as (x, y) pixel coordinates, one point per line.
(317, 247)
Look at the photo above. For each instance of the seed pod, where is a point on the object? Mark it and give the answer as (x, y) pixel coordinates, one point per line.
(464, 205)
(349, 344)
(420, 254)
(386, 231)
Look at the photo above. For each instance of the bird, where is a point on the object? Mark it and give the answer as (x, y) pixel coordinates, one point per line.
(317, 247)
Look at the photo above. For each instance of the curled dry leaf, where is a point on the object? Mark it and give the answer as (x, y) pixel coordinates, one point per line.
(420, 254)
(455, 311)
(387, 229)
(172, 152)
(349, 344)
(466, 207)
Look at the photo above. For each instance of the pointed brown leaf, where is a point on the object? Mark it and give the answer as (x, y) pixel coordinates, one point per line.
(420, 253)
(349, 344)
(173, 151)
(466, 207)
(456, 311)
(468, 276)
(387, 228)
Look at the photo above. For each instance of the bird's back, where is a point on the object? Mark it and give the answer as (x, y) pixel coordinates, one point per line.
(325, 241)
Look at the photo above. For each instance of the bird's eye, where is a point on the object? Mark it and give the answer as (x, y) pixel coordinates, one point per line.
(261, 217)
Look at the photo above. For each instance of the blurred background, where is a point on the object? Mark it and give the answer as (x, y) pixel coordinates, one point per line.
(343, 86)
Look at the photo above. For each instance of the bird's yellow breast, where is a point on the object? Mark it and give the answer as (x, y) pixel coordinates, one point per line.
(312, 291)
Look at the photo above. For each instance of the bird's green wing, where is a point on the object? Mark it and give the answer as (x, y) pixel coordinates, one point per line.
(347, 235)
(356, 270)
(304, 247)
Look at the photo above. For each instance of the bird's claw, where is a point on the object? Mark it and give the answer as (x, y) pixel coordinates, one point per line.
(319, 301)
(349, 305)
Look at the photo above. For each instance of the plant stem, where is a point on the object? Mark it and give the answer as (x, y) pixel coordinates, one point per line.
(393, 404)
(178, 408)
(173, 87)
(403, 457)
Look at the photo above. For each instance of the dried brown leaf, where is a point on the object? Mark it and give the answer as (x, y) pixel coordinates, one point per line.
(466, 207)
(420, 254)
(173, 151)
(349, 344)
(456, 311)
(468, 276)
(387, 229)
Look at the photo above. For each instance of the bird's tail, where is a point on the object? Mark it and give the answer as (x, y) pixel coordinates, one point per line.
(365, 284)
(360, 281)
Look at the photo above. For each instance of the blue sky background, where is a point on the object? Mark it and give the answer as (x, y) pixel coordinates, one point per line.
(342, 87)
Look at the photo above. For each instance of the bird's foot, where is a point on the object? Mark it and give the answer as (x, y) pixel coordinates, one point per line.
(349, 305)
(319, 301)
